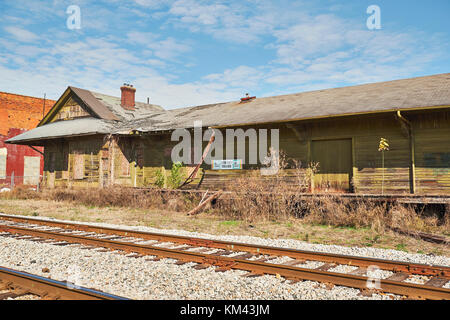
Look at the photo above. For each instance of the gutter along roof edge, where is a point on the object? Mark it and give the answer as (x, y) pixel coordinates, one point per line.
(24, 141)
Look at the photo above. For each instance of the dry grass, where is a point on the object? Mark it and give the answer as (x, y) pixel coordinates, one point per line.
(113, 196)
(251, 202)
(212, 223)
(272, 199)
(267, 207)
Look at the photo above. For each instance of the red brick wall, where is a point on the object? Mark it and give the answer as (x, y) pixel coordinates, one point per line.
(22, 112)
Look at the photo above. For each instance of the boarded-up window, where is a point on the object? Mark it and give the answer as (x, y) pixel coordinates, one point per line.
(31, 170)
(140, 155)
(3, 154)
(78, 166)
(52, 162)
(66, 159)
(124, 165)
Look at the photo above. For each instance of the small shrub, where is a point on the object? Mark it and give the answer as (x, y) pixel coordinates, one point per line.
(161, 178)
(176, 175)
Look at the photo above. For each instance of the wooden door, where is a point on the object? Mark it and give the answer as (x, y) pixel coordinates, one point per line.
(335, 167)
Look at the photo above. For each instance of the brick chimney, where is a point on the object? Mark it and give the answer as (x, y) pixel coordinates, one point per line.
(127, 98)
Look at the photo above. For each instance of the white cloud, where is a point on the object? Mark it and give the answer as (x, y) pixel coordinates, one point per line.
(302, 52)
(154, 4)
(143, 38)
(166, 49)
(21, 34)
(242, 77)
(230, 21)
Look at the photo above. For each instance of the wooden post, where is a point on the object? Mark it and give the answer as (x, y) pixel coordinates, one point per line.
(412, 172)
(413, 163)
(382, 168)
(100, 167)
(111, 160)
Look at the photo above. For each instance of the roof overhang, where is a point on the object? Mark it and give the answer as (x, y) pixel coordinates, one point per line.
(42, 142)
(333, 116)
(63, 129)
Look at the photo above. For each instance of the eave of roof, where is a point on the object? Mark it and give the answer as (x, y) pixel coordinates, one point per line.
(64, 129)
(423, 93)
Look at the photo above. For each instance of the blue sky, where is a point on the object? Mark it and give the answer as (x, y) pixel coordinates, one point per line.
(185, 52)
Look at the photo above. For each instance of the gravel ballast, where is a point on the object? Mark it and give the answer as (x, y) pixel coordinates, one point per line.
(138, 278)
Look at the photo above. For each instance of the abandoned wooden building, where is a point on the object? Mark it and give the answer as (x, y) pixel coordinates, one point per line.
(92, 139)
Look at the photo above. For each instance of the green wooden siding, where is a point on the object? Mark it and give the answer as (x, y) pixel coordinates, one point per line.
(432, 153)
(335, 168)
(346, 149)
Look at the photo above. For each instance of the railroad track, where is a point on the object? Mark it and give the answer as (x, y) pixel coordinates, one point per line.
(15, 284)
(229, 255)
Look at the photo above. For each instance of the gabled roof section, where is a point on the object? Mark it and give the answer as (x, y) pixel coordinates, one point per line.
(92, 102)
(103, 106)
(88, 100)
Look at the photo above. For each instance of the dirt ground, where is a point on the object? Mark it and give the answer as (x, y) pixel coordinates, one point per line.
(207, 223)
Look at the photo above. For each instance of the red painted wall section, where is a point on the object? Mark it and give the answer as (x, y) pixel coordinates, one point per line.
(19, 113)
(15, 157)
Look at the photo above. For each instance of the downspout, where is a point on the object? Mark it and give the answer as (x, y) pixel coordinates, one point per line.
(412, 173)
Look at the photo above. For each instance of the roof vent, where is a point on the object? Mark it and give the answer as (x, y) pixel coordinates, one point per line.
(247, 98)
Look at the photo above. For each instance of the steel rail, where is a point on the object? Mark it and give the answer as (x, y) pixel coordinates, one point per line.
(289, 272)
(27, 283)
(390, 265)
